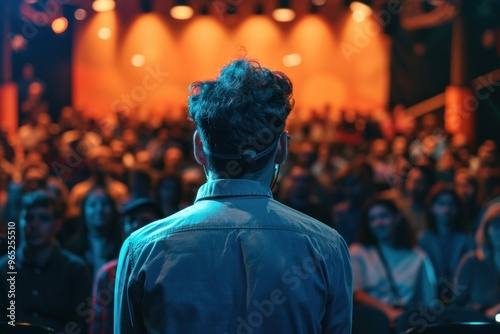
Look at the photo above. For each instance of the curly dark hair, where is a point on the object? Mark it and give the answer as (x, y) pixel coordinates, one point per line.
(245, 108)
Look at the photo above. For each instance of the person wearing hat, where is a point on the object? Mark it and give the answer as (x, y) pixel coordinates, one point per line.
(136, 214)
(236, 261)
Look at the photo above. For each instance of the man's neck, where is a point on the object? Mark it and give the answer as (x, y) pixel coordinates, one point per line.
(266, 178)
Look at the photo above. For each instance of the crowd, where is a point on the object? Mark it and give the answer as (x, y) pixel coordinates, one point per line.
(416, 206)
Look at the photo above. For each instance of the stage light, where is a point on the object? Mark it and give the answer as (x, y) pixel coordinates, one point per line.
(104, 33)
(59, 25)
(138, 60)
(318, 2)
(181, 10)
(284, 13)
(103, 5)
(291, 60)
(18, 42)
(80, 14)
(360, 10)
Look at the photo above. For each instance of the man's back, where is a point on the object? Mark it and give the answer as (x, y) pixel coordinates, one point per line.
(235, 262)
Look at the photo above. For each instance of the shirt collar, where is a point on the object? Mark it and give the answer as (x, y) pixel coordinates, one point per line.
(232, 188)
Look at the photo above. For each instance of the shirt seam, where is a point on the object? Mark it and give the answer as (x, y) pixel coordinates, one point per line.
(162, 234)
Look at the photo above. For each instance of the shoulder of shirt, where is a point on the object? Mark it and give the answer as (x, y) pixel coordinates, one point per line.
(295, 222)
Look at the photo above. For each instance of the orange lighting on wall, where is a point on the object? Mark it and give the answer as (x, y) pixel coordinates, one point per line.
(103, 5)
(59, 25)
(181, 12)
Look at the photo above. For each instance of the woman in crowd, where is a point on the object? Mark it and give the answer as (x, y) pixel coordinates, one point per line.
(445, 240)
(100, 236)
(390, 273)
(478, 275)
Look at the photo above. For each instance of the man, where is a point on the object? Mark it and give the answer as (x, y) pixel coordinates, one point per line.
(50, 283)
(236, 261)
(136, 214)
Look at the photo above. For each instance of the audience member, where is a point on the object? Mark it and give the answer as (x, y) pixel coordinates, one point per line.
(100, 236)
(390, 273)
(50, 282)
(136, 214)
(446, 238)
(99, 160)
(297, 190)
(478, 275)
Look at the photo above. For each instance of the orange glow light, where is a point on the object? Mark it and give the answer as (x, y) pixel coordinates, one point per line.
(283, 14)
(104, 33)
(291, 60)
(103, 5)
(59, 25)
(181, 12)
(360, 7)
(138, 60)
(358, 16)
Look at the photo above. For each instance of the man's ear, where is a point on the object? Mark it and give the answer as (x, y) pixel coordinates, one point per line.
(199, 154)
(282, 152)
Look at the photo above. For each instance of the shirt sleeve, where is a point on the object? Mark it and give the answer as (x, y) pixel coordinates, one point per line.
(127, 312)
(338, 314)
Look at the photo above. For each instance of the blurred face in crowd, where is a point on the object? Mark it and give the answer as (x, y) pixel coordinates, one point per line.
(493, 231)
(464, 187)
(39, 226)
(444, 210)
(381, 222)
(34, 179)
(399, 145)
(98, 210)
(416, 184)
(379, 148)
(352, 187)
(173, 157)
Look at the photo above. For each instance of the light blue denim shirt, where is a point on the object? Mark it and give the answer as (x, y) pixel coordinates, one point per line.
(236, 261)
